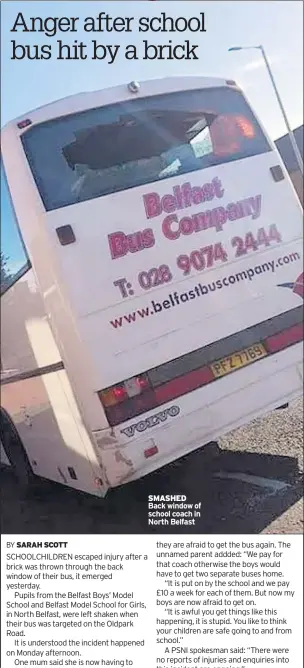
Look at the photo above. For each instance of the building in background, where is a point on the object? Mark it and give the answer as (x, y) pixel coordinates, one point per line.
(285, 149)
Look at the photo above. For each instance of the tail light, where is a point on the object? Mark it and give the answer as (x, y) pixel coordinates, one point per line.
(129, 398)
(139, 394)
(130, 388)
(137, 385)
(113, 396)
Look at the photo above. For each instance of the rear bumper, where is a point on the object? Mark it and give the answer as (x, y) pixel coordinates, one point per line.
(205, 415)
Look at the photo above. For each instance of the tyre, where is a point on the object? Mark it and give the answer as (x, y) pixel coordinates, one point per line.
(16, 454)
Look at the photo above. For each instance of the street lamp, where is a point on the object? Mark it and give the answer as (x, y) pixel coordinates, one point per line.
(290, 132)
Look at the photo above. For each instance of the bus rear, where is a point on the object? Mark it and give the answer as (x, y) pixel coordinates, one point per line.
(166, 199)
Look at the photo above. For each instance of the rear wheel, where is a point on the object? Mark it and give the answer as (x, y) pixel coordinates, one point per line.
(16, 454)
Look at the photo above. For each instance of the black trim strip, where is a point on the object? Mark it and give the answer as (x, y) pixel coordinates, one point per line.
(32, 373)
(224, 347)
(218, 350)
(189, 381)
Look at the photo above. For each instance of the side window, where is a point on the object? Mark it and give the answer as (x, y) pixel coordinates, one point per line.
(14, 259)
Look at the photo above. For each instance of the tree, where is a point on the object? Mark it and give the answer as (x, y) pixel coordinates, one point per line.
(5, 274)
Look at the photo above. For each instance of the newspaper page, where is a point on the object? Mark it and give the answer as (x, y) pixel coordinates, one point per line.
(151, 468)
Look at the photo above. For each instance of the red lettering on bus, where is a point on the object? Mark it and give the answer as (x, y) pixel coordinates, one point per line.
(152, 205)
(168, 231)
(121, 244)
(183, 196)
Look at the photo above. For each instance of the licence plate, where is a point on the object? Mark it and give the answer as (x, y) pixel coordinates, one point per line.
(238, 360)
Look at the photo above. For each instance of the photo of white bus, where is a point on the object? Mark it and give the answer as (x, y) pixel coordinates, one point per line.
(160, 198)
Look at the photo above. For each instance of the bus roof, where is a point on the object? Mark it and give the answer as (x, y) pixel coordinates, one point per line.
(81, 101)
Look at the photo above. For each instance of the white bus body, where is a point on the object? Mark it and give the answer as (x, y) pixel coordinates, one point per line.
(164, 199)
